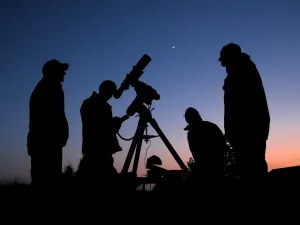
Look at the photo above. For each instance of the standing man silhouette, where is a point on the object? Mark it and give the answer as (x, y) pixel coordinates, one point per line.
(48, 126)
(246, 118)
(99, 140)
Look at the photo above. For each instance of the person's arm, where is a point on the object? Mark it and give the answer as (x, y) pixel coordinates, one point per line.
(193, 145)
(64, 122)
(117, 123)
(233, 106)
(54, 112)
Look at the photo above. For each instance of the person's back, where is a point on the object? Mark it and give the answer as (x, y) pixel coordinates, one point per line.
(214, 143)
(207, 145)
(96, 118)
(245, 100)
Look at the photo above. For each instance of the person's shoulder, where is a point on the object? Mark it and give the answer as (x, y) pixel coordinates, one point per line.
(91, 100)
(38, 90)
(212, 125)
(46, 86)
(86, 102)
(208, 123)
(39, 85)
(248, 64)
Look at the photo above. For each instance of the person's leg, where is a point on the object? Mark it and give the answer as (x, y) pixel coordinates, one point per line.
(55, 167)
(40, 167)
(93, 176)
(257, 164)
(105, 176)
(251, 160)
(35, 170)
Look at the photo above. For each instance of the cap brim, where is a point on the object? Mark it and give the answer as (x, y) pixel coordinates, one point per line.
(65, 66)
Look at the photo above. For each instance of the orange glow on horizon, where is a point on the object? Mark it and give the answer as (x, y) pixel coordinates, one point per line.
(276, 158)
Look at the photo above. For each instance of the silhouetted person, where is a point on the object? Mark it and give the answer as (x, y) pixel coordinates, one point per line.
(246, 116)
(99, 140)
(207, 145)
(48, 126)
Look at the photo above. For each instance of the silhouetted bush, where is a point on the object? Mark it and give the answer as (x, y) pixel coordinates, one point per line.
(191, 165)
(68, 176)
(230, 165)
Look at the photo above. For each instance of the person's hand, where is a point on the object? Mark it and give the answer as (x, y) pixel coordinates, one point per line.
(117, 123)
(116, 149)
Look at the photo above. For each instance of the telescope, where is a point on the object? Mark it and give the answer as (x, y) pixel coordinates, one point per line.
(145, 94)
(133, 76)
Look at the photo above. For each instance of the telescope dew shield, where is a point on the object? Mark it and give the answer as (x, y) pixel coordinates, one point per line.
(134, 75)
(142, 63)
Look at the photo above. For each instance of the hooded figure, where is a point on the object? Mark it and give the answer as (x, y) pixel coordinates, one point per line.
(246, 116)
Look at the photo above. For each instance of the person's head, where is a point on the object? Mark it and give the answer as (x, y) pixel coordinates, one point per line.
(107, 89)
(55, 70)
(229, 53)
(192, 115)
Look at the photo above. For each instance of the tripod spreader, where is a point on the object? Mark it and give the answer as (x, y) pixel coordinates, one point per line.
(145, 117)
(148, 137)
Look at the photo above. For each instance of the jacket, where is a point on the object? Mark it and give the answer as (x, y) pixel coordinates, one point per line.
(246, 110)
(48, 124)
(98, 130)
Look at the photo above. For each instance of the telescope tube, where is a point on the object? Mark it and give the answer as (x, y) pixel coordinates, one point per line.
(134, 75)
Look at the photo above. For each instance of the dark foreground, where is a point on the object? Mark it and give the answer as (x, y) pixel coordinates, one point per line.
(233, 187)
(215, 202)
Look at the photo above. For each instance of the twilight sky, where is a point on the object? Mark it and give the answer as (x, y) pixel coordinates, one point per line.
(104, 39)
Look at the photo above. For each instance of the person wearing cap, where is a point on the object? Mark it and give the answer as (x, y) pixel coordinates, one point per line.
(48, 126)
(207, 145)
(99, 140)
(246, 114)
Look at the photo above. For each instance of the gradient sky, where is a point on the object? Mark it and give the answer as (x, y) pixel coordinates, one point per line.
(103, 39)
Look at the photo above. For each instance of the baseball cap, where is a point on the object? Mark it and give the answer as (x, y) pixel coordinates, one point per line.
(53, 65)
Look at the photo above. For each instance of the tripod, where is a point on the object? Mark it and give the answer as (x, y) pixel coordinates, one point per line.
(136, 144)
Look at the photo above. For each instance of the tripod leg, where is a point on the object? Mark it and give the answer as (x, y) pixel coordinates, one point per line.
(137, 156)
(137, 138)
(168, 145)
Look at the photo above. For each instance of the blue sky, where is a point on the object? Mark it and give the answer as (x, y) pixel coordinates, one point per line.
(104, 39)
